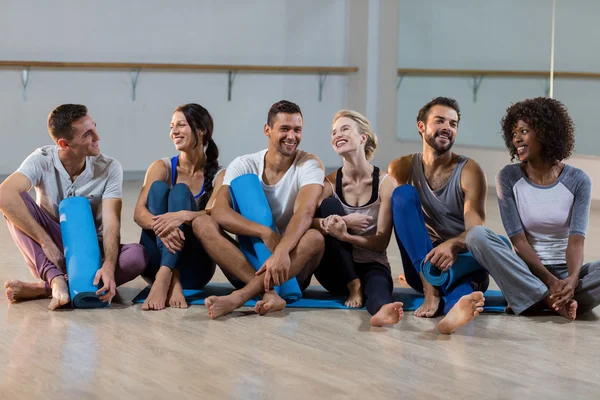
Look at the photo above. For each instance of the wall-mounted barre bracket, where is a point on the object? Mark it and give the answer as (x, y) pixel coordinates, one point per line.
(322, 79)
(476, 85)
(135, 74)
(230, 79)
(399, 81)
(25, 81)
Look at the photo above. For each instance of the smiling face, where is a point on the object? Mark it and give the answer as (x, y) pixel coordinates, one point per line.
(181, 132)
(441, 128)
(286, 133)
(526, 142)
(84, 141)
(346, 137)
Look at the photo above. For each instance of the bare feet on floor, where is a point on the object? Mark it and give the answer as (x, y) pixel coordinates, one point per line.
(388, 314)
(60, 293)
(355, 300)
(219, 306)
(157, 298)
(431, 303)
(569, 310)
(468, 307)
(175, 296)
(17, 290)
(270, 302)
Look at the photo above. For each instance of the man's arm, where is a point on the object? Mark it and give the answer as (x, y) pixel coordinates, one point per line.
(304, 210)
(111, 231)
(15, 209)
(474, 185)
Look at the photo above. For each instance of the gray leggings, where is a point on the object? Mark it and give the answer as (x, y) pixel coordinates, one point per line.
(520, 287)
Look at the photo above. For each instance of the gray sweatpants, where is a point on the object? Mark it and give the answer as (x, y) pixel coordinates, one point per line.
(520, 287)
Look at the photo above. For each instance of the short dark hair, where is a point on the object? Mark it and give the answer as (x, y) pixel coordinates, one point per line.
(62, 117)
(282, 106)
(438, 101)
(550, 121)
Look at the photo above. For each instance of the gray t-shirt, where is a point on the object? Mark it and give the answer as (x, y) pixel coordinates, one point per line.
(547, 214)
(101, 179)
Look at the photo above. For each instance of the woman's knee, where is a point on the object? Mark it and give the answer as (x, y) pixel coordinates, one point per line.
(160, 188)
(330, 206)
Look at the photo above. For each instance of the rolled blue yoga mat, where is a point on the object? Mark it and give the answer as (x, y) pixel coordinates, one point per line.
(249, 200)
(464, 265)
(82, 251)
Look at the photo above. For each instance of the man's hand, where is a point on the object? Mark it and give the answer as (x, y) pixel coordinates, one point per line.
(271, 239)
(443, 256)
(173, 240)
(106, 275)
(335, 226)
(276, 269)
(562, 291)
(357, 222)
(167, 222)
(54, 255)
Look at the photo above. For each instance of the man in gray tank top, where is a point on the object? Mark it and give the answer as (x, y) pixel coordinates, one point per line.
(441, 195)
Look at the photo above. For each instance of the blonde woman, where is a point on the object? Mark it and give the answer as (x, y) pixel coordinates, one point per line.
(355, 215)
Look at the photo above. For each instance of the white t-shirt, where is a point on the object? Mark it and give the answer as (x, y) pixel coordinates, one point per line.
(101, 179)
(306, 169)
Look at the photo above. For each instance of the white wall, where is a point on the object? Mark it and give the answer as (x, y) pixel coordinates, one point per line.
(270, 32)
(508, 34)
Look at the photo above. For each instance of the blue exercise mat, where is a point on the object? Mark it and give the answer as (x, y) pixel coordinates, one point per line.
(249, 200)
(317, 297)
(82, 252)
(464, 265)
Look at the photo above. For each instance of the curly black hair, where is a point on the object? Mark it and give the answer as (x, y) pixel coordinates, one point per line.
(550, 121)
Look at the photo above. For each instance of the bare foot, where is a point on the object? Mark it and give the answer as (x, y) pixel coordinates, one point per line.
(17, 290)
(388, 314)
(60, 293)
(355, 300)
(157, 298)
(569, 310)
(431, 303)
(219, 306)
(270, 302)
(175, 296)
(468, 307)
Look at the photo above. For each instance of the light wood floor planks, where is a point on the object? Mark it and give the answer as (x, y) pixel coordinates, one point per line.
(124, 353)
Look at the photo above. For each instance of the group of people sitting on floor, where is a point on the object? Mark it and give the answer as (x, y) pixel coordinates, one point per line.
(336, 227)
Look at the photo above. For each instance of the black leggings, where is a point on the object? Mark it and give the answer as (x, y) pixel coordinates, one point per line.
(337, 267)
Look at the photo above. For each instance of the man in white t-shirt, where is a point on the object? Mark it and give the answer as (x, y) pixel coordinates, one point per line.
(292, 180)
(72, 167)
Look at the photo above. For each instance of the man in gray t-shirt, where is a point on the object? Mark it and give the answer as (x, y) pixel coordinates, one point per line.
(73, 166)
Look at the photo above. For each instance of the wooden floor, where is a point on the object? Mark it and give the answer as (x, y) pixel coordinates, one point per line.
(297, 354)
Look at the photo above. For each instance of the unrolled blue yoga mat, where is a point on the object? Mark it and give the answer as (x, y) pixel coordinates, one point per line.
(464, 265)
(317, 297)
(82, 252)
(249, 200)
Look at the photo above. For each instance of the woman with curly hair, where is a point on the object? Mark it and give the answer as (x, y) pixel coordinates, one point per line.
(544, 205)
(176, 190)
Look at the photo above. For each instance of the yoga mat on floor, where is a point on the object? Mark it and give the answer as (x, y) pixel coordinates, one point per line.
(82, 251)
(249, 200)
(464, 265)
(317, 297)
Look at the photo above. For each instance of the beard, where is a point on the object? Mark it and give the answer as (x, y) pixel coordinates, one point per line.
(439, 147)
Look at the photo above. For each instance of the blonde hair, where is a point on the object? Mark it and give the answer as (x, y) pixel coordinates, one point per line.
(363, 127)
